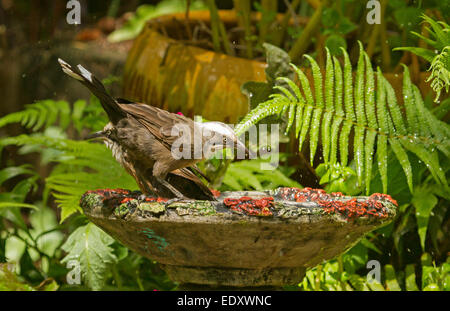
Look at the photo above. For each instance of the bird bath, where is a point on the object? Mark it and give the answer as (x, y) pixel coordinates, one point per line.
(244, 240)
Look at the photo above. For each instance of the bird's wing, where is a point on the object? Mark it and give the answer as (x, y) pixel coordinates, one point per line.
(158, 122)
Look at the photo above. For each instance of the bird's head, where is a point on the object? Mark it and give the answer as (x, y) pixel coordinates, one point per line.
(107, 134)
(109, 137)
(219, 136)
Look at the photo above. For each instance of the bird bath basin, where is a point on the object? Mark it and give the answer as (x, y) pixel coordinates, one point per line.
(243, 240)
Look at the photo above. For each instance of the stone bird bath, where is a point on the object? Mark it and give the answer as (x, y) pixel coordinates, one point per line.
(244, 240)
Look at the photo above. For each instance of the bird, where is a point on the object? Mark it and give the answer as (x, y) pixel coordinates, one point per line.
(158, 148)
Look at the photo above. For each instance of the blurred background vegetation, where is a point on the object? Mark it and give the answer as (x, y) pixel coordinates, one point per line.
(45, 165)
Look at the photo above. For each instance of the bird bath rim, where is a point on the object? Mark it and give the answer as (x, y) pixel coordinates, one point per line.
(216, 244)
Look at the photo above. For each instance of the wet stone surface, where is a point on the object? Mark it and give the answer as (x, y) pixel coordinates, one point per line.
(245, 238)
(282, 202)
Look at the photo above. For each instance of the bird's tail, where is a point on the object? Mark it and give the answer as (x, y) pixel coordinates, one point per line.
(97, 88)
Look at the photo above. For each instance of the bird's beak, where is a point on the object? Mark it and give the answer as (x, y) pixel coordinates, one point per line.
(99, 134)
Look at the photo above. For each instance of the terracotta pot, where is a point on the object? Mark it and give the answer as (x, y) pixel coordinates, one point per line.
(164, 71)
(167, 73)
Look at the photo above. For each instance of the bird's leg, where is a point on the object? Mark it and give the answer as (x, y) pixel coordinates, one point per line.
(160, 173)
(178, 194)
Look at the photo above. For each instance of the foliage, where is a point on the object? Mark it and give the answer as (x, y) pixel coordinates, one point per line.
(91, 247)
(357, 105)
(408, 142)
(334, 275)
(420, 227)
(9, 281)
(35, 249)
(81, 165)
(248, 174)
(23, 244)
(440, 72)
(401, 246)
(147, 11)
(439, 58)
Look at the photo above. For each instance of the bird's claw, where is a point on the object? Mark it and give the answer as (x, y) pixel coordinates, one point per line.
(178, 200)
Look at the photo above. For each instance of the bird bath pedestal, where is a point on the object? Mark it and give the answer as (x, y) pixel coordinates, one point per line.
(244, 240)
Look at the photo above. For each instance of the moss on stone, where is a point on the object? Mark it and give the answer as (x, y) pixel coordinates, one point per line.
(197, 208)
(155, 208)
(122, 210)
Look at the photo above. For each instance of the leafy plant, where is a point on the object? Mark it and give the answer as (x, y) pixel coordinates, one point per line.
(26, 238)
(147, 11)
(357, 105)
(81, 165)
(245, 175)
(91, 248)
(32, 241)
(334, 275)
(9, 281)
(439, 57)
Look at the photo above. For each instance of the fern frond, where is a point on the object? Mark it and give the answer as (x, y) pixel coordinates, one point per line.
(329, 105)
(439, 38)
(337, 121)
(82, 166)
(317, 112)
(440, 72)
(273, 106)
(43, 113)
(368, 109)
(349, 109)
(244, 175)
(384, 128)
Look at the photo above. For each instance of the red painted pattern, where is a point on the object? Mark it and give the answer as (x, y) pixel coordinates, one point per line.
(114, 197)
(352, 208)
(250, 206)
(216, 193)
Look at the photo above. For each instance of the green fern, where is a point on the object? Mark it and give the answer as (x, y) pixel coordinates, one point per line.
(359, 105)
(245, 175)
(440, 72)
(40, 114)
(440, 64)
(45, 113)
(81, 165)
(332, 276)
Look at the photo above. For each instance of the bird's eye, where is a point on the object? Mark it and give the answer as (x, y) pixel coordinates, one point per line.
(224, 139)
